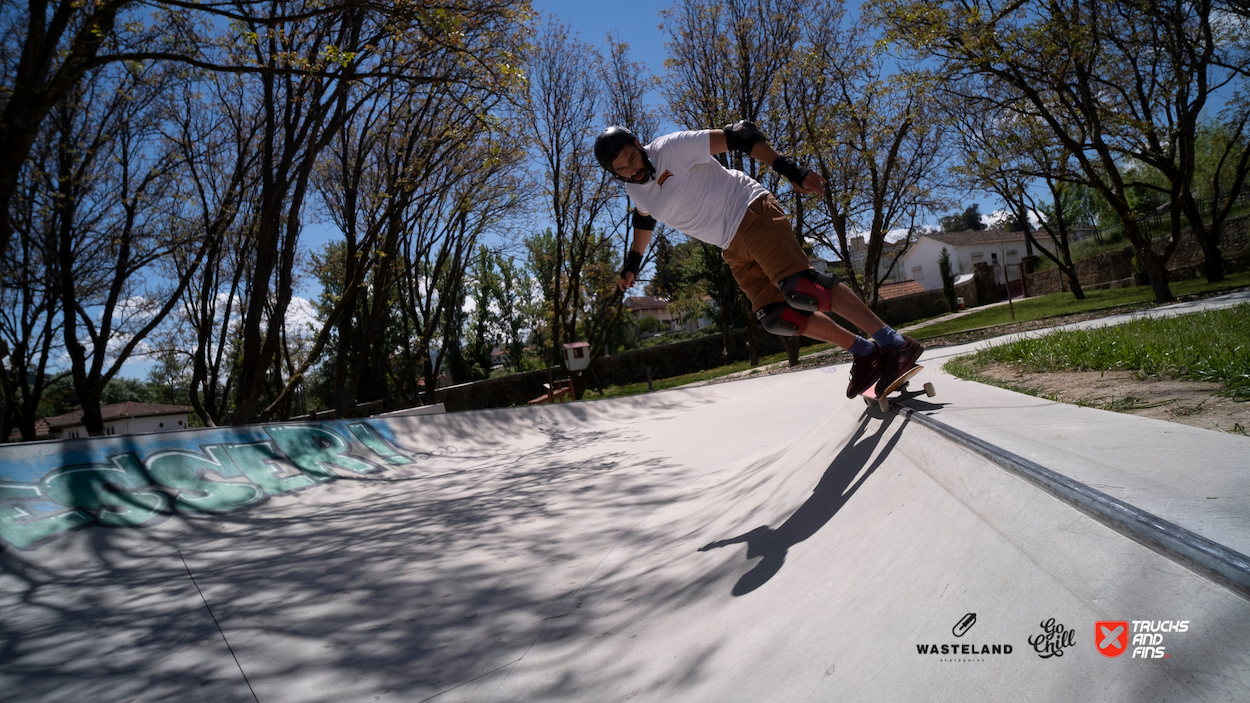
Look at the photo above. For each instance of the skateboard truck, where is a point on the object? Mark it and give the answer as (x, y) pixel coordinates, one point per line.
(900, 387)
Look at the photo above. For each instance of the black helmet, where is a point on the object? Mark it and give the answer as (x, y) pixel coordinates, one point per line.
(610, 141)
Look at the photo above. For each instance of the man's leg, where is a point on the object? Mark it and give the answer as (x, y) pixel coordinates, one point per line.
(808, 290)
(772, 269)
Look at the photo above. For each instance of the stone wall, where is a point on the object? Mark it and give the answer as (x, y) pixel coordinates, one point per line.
(1114, 269)
(618, 369)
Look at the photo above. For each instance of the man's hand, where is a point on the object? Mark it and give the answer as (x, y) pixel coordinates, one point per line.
(812, 183)
(627, 280)
(633, 264)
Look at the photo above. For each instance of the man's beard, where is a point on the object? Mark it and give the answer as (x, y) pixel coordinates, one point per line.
(644, 176)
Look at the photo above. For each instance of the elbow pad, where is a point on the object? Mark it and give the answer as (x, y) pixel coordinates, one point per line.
(742, 136)
(641, 221)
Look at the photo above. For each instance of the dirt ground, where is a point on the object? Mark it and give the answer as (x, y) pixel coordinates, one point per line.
(1187, 402)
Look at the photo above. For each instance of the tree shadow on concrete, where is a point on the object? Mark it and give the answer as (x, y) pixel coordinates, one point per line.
(401, 582)
(846, 473)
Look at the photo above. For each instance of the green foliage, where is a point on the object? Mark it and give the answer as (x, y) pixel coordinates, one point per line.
(968, 220)
(58, 398)
(948, 280)
(121, 390)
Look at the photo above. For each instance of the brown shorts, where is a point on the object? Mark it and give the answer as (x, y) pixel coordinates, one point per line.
(764, 251)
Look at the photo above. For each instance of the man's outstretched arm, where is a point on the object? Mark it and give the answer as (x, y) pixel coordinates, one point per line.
(745, 136)
(643, 225)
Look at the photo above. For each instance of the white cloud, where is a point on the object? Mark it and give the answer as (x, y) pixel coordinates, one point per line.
(301, 318)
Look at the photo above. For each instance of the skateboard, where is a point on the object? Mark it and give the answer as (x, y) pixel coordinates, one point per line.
(900, 386)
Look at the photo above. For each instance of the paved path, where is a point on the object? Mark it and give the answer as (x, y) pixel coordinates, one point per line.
(762, 540)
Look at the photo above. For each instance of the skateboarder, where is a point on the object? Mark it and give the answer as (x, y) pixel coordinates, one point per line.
(675, 179)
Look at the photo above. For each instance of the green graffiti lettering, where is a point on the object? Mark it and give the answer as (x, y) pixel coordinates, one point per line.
(115, 495)
(21, 526)
(371, 439)
(190, 474)
(264, 465)
(317, 450)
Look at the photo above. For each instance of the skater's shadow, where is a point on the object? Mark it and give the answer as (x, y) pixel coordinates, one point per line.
(848, 471)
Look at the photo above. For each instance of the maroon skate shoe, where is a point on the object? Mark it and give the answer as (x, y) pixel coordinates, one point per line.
(897, 361)
(865, 370)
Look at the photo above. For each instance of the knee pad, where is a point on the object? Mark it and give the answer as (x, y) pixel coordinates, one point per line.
(808, 290)
(783, 320)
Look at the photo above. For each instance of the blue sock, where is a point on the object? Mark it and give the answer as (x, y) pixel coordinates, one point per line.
(887, 337)
(862, 347)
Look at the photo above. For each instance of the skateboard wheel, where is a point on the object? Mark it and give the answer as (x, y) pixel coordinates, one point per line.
(928, 390)
(884, 404)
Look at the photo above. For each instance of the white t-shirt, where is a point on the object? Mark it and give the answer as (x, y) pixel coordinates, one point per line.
(691, 191)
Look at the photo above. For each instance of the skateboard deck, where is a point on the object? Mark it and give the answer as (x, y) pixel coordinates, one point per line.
(900, 386)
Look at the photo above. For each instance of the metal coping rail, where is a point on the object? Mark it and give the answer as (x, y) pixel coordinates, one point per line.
(1212, 560)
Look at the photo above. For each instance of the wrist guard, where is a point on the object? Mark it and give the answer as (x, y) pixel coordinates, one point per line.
(742, 136)
(633, 263)
(793, 172)
(641, 221)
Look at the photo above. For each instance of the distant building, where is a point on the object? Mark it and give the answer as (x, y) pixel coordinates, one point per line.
(647, 306)
(1000, 249)
(122, 418)
(41, 432)
(890, 251)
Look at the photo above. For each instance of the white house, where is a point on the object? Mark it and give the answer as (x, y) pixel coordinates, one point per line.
(1002, 250)
(122, 418)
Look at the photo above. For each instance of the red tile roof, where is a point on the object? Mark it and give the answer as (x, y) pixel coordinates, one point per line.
(988, 236)
(117, 411)
(898, 290)
(41, 431)
(646, 302)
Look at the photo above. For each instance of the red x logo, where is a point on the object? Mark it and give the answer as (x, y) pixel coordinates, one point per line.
(1111, 637)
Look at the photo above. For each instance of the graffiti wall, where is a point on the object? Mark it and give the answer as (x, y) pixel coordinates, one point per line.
(49, 489)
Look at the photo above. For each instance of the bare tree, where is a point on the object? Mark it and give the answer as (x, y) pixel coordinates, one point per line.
(1008, 156)
(115, 182)
(725, 59)
(49, 46)
(214, 128)
(626, 84)
(30, 326)
(872, 128)
(562, 108)
(1116, 84)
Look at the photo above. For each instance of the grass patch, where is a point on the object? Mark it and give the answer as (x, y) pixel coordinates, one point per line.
(1060, 304)
(1212, 346)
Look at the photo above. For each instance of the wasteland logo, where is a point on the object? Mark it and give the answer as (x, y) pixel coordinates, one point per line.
(1053, 639)
(963, 650)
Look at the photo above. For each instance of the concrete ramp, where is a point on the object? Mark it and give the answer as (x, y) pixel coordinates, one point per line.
(764, 540)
